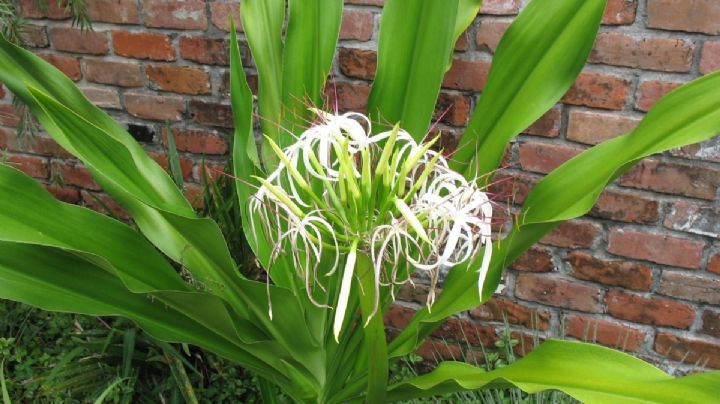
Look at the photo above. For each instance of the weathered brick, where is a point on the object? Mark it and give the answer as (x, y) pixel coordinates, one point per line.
(714, 264)
(708, 150)
(198, 141)
(691, 351)
(357, 25)
(620, 12)
(460, 330)
(209, 51)
(468, 75)
(435, 351)
(155, 107)
(455, 109)
(143, 45)
(39, 144)
(114, 73)
(65, 194)
(711, 323)
(179, 79)
(347, 96)
(597, 127)
(511, 189)
(33, 166)
(673, 178)
(684, 15)
(662, 249)
(463, 42)
(34, 36)
(547, 125)
(178, 14)
(690, 287)
(358, 63)
(489, 34)
(608, 333)
(186, 164)
(650, 91)
(693, 218)
(545, 157)
(2, 91)
(664, 54)
(224, 89)
(610, 272)
(54, 10)
(414, 293)
(500, 7)
(558, 292)
(501, 309)
(220, 13)
(710, 57)
(113, 11)
(103, 97)
(67, 64)
(73, 40)
(398, 316)
(366, 2)
(104, 204)
(74, 173)
(194, 193)
(573, 234)
(536, 259)
(8, 116)
(211, 114)
(649, 310)
(597, 90)
(626, 207)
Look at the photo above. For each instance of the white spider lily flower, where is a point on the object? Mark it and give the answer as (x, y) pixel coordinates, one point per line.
(342, 191)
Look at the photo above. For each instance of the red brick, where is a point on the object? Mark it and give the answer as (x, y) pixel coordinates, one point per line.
(74, 173)
(73, 40)
(468, 75)
(436, 351)
(104, 204)
(610, 272)
(114, 73)
(186, 164)
(510, 189)
(489, 34)
(457, 107)
(209, 51)
(666, 250)
(674, 178)
(357, 25)
(501, 309)
(604, 332)
(143, 45)
(414, 293)
(64, 194)
(33, 166)
(178, 14)
(463, 42)
(398, 316)
(358, 63)
(664, 54)
(626, 207)
(347, 96)
(596, 127)
(155, 107)
(714, 264)
(103, 97)
(650, 91)
(710, 57)
(69, 65)
(211, 114)
(573, 234)
(366, 2)
(220, 15)
(545, 157)
(691, 351)
(197, 141)
(466, 331)
(597, 90)
(39, 144)
(2, 91)
(620, 12)
(224, 89)
(694, 218)
(113, 11)
(34, 36)
(536, 259)
(526, 342)
(54, 10)
(649, 310)
(548, 125)
(194, 194)
(690, 287)
(500, 7)
(554, 291)
(684, 15)
(179, 79)
(711, 323)
(8, 116)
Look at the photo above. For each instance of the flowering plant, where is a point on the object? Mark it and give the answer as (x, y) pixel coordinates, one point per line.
(341, 212)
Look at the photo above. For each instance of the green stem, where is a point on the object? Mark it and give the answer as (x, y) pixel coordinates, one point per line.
(374, 333)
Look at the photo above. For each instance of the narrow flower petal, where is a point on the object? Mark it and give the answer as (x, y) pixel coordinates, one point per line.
(344, 291)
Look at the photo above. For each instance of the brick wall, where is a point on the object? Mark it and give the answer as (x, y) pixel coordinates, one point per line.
(641, 271)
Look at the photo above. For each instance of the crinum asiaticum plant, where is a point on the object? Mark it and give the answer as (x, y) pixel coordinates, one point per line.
(338, 209)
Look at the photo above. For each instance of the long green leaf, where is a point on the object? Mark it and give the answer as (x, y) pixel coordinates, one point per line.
(312, 34)
(3, 386)
(589, 373)
(412, 60)
(536, 62)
